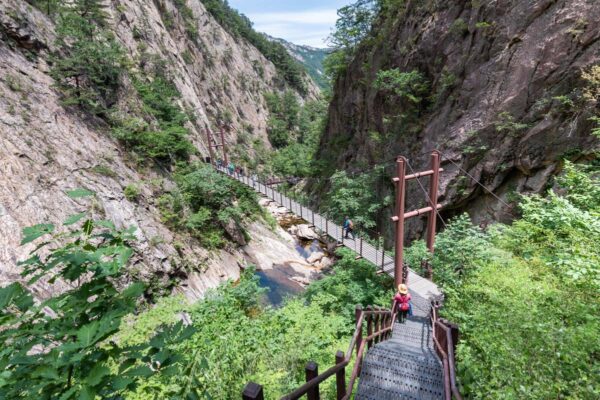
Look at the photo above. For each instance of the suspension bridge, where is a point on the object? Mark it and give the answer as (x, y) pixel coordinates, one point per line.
(412, 360)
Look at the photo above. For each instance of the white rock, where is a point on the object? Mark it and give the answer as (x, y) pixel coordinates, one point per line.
(314, 257)
(326, 262)
(304, 232)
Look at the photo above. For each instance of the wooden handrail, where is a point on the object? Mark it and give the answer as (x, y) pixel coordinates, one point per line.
(446, 353)
(380, 331)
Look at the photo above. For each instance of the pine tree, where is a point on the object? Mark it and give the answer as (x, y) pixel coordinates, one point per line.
(90, 63)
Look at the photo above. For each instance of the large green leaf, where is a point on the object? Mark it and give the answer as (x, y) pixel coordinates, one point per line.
(141, 371)
(87, 333)
(80, 192)
(134, 290)
(9, 293)
(96, 374)
(73, 219)
(33, 232)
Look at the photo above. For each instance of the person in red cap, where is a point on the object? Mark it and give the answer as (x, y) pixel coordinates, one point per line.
(402, 299)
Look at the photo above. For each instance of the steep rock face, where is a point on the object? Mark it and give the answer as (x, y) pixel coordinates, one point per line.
(46, 149)
(504, 97)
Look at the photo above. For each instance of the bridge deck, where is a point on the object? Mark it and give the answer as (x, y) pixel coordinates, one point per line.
(423, 287)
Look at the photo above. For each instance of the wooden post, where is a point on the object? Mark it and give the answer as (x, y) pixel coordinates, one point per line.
(382, 255)
(369, 326)
(361, 242)
(224, 148)
(399, 220)
(340, 376)
(357, 313)
(210, 148)
(327, 226)
(312, 371)
(377, 325)
(433, 197)
(253, 391)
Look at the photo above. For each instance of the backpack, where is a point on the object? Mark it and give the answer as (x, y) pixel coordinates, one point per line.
(350, 224)
(404, 306)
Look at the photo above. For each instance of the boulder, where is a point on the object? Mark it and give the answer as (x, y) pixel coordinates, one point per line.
(293, 229)
(326, 262)
(315, 257)
(234, 231)
(304, 232)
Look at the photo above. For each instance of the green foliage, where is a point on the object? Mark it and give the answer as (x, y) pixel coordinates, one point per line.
(206, 201)
(13, 83)
(189, 21)
(239, 25)
(283, 119)
(61, 347)
(459, 27)
(131, 192)
(294, 130)
(525, 295)
(104, 170)
(89, 67)
(49, 7)
(411, 86)
(161, 135)
(348, 197)
(239, 340)
(352, 26)
(507, 125)
(351, 282)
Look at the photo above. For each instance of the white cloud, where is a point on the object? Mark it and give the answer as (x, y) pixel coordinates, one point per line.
(310, 27)
(310, 17)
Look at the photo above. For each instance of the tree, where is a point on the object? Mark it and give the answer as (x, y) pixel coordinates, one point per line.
(352, 26)
(90, 64)
(63, 347)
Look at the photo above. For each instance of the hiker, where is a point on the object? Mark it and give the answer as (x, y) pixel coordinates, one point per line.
(219, 163)
(403, 305)
(231, 168)
(348, 227)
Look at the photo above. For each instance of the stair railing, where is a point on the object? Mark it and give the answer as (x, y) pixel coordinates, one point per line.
(379, 325)
(445, 338)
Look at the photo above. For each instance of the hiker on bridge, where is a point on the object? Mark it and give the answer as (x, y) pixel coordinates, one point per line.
(231, 168)
(348, 228)
(219, 163)
(403, 305)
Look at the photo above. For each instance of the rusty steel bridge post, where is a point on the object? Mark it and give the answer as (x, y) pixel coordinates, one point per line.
(433, 198)
(210, 147)
(399, 220)
(224, 147)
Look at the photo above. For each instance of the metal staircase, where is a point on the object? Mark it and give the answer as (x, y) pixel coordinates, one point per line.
(405, 366)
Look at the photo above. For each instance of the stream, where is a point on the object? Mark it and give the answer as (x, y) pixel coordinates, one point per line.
(278, 280)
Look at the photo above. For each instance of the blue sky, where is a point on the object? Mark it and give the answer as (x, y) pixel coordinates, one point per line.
(306, 22)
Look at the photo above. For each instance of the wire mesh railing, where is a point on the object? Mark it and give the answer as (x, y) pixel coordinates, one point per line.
(364, 245)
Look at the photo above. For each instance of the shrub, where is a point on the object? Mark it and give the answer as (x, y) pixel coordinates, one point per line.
(163, 138)
(131, 192)
(411, 86)
(62, 347)
(89, 67)
(525, 295)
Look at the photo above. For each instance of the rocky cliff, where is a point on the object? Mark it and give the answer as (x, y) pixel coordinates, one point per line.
(497, 86)
(47, 149)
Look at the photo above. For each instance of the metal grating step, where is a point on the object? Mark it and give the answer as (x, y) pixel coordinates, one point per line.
(421, 372)
(393, 355)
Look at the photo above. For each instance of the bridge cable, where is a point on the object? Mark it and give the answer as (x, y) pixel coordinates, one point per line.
(412, 171)
(476, 181)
